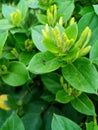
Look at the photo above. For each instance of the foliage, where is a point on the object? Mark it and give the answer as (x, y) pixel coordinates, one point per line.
(48, 64)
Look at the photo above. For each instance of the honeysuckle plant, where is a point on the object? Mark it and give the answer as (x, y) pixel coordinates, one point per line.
(48, 65)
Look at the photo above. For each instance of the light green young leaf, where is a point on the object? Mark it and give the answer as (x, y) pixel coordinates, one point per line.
(42, 18)
(82, 75)
(13, 123)
(18, 75)
(37, 37)
(96, 8)
(65, 9)
(63, 97)
(33, 4)
(3, 38)
(91, 126)
(72, 31)
(7, 10)
(22, 6)
(84, 105)
(63, 123)
(5, 24)
(44, 62)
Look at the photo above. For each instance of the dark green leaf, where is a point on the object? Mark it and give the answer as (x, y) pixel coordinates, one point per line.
(13, 123)
(32, 121)
(51, 82)
(3, 38)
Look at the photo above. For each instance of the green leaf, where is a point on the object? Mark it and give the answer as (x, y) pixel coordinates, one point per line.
(90, 126)
(72, 31)
(5, 24)
(50, 45)
(96, 8)
(37, 37)
(32, 121)
(22, 6)
(18, 75)
(42, 18)
(3, 38)
(91, 20)
(33, 4)
(63, 97)
(7, 10)
(82, 75)
(44, 62)
(86, 9)
(84, 105)
(94, 53)
(13, 123)
(51, 82)
(63, 123)
(65, 9)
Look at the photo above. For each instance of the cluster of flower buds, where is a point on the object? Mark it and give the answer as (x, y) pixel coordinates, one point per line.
(16, 18)
(64, 46)
(68, 89)
(52, 15)
(28, 45)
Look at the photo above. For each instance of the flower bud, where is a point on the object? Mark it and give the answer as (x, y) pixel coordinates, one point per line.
(84, 51)
(84, 39)
(72, 21)
(16, 17)
(3, 99)
(61, 21)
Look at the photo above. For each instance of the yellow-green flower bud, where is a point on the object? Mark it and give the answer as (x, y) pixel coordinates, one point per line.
(28, 45)
(84, 38)
(72, 21)
(52, 14)
(84, 51)
(87, 33)
(69, 91)
(55, 11)
(61, 21)
(3, 69)
(14, 52)
(16, 18)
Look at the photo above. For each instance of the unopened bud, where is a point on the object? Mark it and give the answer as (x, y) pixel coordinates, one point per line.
(72, 21)
(84, 51)
(16, 17)
(61, 21)
(84, 38)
